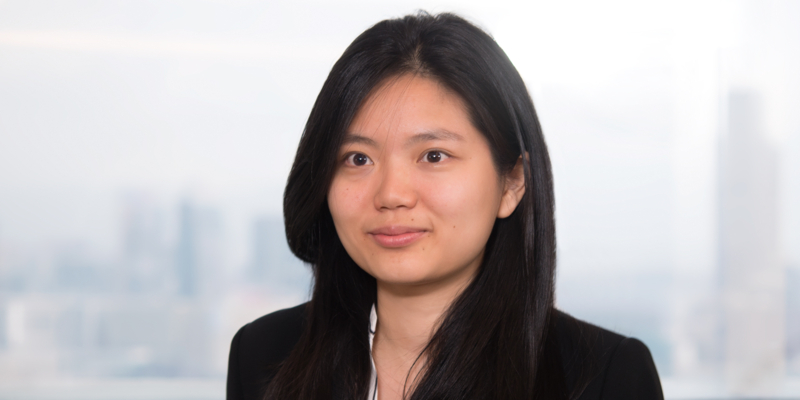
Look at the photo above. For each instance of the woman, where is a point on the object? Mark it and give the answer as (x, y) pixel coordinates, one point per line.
(421, 194)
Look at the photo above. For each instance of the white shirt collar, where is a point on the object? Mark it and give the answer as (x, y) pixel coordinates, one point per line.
(373, 379)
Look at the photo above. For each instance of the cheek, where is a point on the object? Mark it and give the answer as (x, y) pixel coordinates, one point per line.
(469, 200)
(346, 202)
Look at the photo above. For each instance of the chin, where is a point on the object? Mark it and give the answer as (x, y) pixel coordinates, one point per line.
(406, 273)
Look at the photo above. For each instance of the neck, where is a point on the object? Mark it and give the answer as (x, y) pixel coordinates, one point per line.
(408, 315)
(407, 322)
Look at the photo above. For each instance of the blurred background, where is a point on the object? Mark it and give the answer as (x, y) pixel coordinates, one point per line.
(144, 146)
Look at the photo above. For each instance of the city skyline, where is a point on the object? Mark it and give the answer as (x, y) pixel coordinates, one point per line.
(143, 159)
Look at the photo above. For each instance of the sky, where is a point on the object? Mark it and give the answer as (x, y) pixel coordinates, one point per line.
(206, 100)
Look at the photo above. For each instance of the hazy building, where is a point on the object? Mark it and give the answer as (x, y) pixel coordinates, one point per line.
(751, 275)
(793, 321)
(272, 262)
(144, 250)
(186, 251)
(198, 252)
(267, 248)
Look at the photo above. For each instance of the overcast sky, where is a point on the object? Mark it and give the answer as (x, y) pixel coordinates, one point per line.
(207, 100)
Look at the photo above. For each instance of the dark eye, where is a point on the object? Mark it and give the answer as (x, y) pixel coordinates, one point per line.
(434, 156)
(358, 159)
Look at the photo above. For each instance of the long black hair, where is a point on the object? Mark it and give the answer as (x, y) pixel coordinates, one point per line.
(491, 342)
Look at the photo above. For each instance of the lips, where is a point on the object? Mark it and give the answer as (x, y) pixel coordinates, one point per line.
(395, 236)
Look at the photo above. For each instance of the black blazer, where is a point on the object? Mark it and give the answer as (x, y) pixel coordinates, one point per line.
(621, 367)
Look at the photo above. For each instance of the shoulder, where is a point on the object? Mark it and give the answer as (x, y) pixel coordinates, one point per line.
(273, 332)
(600, 364)
(259, 347)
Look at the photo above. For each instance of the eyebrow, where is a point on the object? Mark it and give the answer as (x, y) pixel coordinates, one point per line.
(438, 134)
(353, 138)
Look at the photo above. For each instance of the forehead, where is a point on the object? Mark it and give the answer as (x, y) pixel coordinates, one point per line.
(410, 105)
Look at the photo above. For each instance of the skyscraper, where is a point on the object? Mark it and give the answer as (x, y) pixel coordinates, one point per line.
(752, 277)
(197, 255)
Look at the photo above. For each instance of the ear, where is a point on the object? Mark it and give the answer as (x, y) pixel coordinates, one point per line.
(513, 190)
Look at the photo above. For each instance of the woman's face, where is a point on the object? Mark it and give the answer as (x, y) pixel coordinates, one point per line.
(415, 194)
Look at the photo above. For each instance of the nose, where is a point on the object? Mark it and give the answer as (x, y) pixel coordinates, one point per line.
(396, 189)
